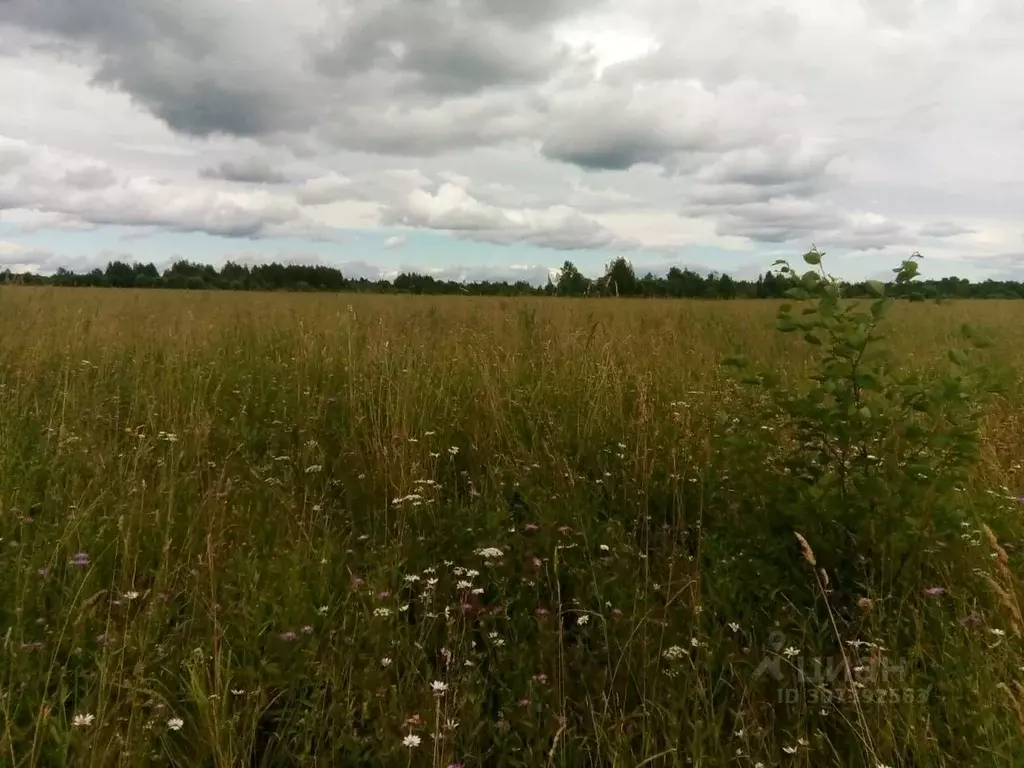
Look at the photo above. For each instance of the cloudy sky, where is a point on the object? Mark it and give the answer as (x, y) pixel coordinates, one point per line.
(502, 137)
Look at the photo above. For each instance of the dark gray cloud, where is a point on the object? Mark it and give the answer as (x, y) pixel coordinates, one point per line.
(392, 76)
(251, 170)
(437, 49)
(569, 124)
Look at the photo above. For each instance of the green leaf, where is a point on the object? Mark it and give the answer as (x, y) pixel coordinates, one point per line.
(812, 257)
(810, 338)
(880, 308)
(865, 412)
(797, 293)
(876, 288)
(958, 357)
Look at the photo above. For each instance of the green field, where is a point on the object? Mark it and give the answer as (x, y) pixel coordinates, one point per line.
(254, 529)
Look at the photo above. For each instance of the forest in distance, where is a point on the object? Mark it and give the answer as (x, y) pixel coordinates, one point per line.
(620, 279)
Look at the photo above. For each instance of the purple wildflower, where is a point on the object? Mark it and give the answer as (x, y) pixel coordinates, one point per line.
(289, 636)
(935, 591)
(80, 559)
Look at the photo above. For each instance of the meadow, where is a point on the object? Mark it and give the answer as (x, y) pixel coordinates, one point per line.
(309, 530)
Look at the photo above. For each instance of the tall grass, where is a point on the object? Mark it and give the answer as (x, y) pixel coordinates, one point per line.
(333, 530)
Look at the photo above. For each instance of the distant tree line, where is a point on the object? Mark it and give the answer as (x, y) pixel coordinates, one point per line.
(619, 279)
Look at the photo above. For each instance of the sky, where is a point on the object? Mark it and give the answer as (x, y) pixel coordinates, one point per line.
(476, 139)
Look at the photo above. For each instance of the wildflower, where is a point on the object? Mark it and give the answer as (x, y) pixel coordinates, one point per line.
(935, 591)
(450, 724)
(80, 559)
(175, 723)
(789, 750)
(438, 687)
(307, 630)
(583, 619)
(81, 721)
(530, 527)
(489, 553)
(289, 636)
(790, 652)
(673, 652)
(412, 578)
(131, 595)
(381, 612)
(322, 610)
(604, 548)
(411, 741)
(463, 584)
(313, 468)
(734, 626)
(454, 450)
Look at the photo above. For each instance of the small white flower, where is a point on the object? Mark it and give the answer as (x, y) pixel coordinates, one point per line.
(673, 652)
(381, 612)
(313, 468)
(583, 619)
(734, 626)
(81, 721)
(790, 652)
(175, 723)
(438, 687)
(412, 578)
(411, 741)
(386, 661)
(322, 610)
(489, 553)
(131, 595)
(604, 547)
(789, 750)
(463, 584)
